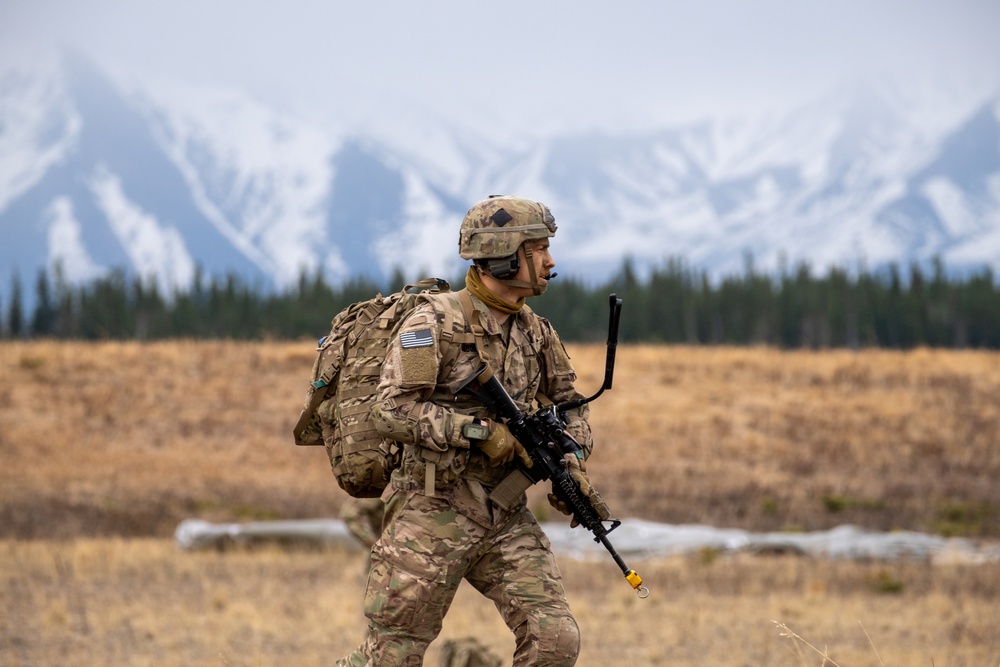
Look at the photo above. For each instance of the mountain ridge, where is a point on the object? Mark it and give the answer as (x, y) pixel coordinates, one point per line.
(97, 174)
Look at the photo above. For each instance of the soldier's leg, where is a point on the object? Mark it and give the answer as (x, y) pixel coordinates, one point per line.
(363, 518)
(520, 574)
(417, 565)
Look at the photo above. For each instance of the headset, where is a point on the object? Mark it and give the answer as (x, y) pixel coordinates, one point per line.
(502, 268)
(505, 268)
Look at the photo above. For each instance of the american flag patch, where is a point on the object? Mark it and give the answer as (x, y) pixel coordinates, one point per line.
(411, 339)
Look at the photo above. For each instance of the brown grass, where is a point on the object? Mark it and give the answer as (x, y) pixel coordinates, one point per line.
(130, 438)
(140, 602)
(764, 439)
(102, 442)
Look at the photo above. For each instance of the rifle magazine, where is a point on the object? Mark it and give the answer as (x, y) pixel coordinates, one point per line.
(508, 492)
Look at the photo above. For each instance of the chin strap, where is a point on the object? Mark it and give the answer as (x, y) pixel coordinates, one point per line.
(536, 288)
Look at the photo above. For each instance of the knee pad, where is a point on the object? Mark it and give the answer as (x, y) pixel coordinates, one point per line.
(558, 642)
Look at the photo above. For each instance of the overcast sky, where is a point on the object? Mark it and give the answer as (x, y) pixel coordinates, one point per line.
(537, 64)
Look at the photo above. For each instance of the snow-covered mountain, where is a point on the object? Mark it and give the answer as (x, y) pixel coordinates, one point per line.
(97, 174)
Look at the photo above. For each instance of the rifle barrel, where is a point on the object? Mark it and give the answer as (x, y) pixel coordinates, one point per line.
(631, 575)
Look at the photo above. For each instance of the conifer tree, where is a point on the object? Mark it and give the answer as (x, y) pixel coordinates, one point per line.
(15, 313)
(44, 317)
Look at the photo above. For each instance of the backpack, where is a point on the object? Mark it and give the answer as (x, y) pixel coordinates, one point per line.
(345, 378)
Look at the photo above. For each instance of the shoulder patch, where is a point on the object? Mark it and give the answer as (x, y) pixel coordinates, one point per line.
(418, 338)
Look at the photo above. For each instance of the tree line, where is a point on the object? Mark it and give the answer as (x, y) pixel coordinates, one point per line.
(670, 303)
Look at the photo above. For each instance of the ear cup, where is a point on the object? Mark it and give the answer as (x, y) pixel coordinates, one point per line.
(503, 268)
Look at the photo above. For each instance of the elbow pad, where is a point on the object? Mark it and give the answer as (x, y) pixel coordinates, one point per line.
(390, 426)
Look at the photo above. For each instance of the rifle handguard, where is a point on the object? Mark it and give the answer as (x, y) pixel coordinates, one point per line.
(599, 505)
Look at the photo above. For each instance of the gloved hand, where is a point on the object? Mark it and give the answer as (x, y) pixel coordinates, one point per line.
(577, 468)
(578, 471)
(560, 505)
(500, 445)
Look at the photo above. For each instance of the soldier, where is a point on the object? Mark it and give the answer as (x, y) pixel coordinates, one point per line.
(440, 525)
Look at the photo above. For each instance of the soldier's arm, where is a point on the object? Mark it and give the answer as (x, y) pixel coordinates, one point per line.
(410, 374)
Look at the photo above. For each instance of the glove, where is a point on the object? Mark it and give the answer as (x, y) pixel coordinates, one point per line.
(500, 446)
(578, 471)
(560, 505)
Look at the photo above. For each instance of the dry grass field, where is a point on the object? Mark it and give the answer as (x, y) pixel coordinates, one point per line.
(140, 602)
(107, 446)
(127, 439)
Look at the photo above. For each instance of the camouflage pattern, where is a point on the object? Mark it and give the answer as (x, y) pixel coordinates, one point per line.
(496, 227)
(363, 519)
(417, 405)
(337, 407)
(433, 538)
(425, 552)
(468, 652)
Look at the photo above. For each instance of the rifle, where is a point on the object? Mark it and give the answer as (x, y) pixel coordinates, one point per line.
(544, 438)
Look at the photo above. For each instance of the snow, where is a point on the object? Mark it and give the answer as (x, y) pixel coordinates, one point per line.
(277, 174)
(641, 539)
(822, 183)
(428, 246)
(260, 177)
(158, 253)
(37, 128)
(983, 248)
(951, 206)
(66, 248)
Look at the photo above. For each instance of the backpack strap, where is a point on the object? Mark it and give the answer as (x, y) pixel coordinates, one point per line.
(321, 386)
(432, 284)
(472, 315)
(543, 400)
(508, 493)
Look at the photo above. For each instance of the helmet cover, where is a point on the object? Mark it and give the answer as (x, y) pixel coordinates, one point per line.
(496, 227)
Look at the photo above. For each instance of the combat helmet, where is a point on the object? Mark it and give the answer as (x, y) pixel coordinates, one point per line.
(495, 228)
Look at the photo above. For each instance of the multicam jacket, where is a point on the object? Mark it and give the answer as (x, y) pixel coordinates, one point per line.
(418, 405)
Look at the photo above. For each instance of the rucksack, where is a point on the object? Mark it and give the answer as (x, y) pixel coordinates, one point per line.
(345, 378)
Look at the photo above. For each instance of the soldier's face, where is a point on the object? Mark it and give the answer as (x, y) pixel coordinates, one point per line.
(541, 257)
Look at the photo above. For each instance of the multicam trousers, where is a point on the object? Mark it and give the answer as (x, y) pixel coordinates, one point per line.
(425, 551)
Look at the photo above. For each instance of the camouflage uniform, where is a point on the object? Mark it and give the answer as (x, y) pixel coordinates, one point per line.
(363, 518)
(442, 527)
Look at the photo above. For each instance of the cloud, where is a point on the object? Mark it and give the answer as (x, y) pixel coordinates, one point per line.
(534, 66)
